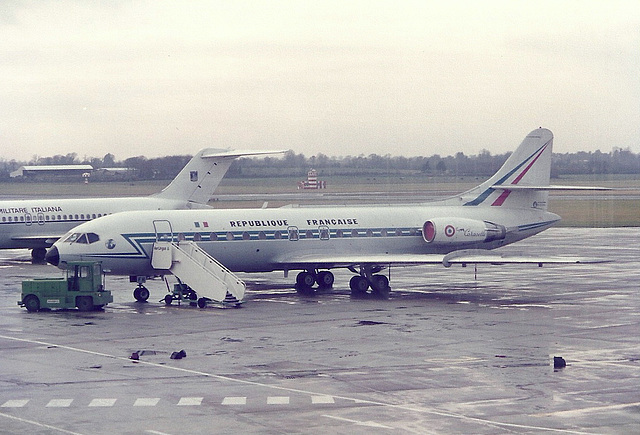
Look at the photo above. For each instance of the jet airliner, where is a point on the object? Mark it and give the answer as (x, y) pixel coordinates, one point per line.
(508, 207)
(37, 223)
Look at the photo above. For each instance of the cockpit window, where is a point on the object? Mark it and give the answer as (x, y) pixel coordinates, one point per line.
(92, 237)
(72, 237)
(86, 238)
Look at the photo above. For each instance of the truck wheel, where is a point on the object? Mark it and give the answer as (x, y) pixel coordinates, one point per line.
(84, 303)
(168, 299)
(202, 302)
(32, 303)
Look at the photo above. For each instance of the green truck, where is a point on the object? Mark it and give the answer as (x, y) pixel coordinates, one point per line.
(82, 287)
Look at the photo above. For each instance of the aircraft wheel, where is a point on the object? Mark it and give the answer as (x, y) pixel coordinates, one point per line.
(379, 282)
(168, 299)
(380, 286)
(325, 279)
(32, 303)
(84, 303)
(141, 294)
(38, 254)
(305, 279)
(358, 285)
(202, 302)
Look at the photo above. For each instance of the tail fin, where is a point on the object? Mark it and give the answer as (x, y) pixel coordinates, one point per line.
(523, 180)
(197, 181)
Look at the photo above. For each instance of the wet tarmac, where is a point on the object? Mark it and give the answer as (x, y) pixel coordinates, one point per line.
(453, 351)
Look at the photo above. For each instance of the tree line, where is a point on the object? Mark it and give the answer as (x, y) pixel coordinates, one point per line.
(618, 161)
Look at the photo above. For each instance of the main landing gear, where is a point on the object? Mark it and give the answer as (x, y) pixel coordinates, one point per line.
(367, 278)
(306, 280)
(37, 255)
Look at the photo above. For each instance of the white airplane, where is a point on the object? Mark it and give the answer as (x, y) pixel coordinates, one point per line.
(510, 206)
(37, 223)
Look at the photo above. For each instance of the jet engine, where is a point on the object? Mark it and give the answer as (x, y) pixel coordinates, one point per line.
(461, 231)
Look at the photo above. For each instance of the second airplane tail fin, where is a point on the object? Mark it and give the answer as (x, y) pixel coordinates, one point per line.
(197, 181)
(522, 181)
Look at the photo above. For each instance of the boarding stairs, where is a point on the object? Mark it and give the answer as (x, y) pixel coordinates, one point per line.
(201, 272)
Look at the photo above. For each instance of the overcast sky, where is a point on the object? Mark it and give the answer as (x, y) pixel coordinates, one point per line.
(341, 78)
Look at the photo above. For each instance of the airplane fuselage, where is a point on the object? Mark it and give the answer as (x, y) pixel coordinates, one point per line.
(28, 223)
(260, 240)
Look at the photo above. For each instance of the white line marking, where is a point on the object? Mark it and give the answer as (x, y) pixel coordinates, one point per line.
(59, 403)
(411, 408)
(278, 400)
(156, 432)
(18, 403)
(322, 399)
(147, 401)
(35, 423)
(97, 403)
(190, 401)
(575, 412)
(360, 423)
(234, 401)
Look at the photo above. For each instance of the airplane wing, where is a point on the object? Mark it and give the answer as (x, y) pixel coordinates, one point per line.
(39, 240)
(462, 257)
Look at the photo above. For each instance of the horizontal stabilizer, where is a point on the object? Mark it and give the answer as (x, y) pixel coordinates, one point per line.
(521, 187)
(211, 153)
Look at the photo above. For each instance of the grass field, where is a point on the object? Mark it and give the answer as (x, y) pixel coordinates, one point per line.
(578, 209)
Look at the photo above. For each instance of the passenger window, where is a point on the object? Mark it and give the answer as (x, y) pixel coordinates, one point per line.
(197, 237)
(293, 233)
(324, 233)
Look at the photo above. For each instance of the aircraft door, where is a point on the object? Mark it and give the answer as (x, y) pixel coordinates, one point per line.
(40, 218)
(28, 219)
(164, 231)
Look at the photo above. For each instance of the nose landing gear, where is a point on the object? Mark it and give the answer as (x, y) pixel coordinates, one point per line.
(141, 293)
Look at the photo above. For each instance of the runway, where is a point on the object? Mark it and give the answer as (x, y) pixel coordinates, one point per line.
(453, 351)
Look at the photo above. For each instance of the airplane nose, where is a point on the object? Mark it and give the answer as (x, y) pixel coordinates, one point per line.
(53, 256)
